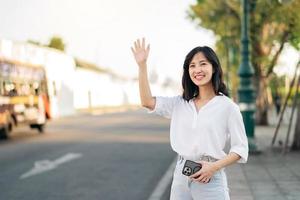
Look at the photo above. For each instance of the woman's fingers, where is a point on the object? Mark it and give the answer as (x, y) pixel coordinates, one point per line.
(143, 43)
(135, 45)
(139, 43)
(195, 175)
(132, 49)
(140, 51)
(206, 180)
(201, 178)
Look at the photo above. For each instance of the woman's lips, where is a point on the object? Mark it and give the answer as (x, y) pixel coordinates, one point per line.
(199, 77)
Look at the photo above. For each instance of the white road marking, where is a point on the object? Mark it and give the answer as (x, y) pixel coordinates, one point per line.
(162, 185)
(47, 165)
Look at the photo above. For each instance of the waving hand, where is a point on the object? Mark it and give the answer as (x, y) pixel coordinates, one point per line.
(140, 52)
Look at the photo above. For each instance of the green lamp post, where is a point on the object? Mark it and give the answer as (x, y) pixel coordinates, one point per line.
(246, 89)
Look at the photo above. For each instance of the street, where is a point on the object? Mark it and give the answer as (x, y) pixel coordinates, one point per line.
(126, 156)
(110, 156)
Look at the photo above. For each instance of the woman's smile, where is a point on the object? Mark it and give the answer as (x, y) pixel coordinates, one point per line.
(199, 77)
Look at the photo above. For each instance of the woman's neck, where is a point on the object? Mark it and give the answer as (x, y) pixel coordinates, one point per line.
(206, 92)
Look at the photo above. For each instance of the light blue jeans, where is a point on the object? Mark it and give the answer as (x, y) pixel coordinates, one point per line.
(183, 188)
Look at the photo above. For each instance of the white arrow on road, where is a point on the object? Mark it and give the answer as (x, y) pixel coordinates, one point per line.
(47, 165)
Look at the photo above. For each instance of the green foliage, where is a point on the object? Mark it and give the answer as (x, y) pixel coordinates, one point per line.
(273, 24)
(57, 43)
(34, 42)
(277, 85)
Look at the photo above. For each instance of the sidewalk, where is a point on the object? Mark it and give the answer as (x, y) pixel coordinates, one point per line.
(269, 175)
(108, 109)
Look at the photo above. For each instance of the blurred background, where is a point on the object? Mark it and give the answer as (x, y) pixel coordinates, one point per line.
(67, 71)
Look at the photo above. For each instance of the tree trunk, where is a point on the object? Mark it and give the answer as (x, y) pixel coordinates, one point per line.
(262, 104)
(296, 142)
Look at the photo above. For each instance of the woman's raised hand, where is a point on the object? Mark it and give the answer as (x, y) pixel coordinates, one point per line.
(140, 52)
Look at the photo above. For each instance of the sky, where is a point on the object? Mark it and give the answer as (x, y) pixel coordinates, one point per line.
(102, 31)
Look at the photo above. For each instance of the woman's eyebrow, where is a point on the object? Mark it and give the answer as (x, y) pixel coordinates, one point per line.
(202, 61)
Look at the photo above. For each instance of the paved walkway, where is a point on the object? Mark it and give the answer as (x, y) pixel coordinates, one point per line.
(269, 175)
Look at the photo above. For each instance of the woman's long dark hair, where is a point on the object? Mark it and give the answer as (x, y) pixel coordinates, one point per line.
(190, 90)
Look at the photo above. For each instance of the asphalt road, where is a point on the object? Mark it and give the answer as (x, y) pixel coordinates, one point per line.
(109, 156)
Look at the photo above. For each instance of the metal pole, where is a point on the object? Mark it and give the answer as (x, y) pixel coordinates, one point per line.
(246, 89)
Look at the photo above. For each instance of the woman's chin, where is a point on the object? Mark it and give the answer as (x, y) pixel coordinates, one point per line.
(200, 83)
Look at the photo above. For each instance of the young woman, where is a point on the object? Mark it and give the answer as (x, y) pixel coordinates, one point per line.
(203, 120)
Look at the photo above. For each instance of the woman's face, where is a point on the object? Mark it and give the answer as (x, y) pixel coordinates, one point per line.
(200, 70)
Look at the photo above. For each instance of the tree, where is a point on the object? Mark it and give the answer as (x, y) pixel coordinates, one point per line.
(34, 42)
(57, 43)
(273, 25)
(296, 141)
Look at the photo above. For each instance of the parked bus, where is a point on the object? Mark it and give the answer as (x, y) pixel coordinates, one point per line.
(24, 96)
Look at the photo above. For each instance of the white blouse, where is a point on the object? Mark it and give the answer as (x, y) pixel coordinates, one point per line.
(207, 131)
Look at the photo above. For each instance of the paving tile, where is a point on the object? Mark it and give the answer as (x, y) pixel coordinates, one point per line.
(270, 175)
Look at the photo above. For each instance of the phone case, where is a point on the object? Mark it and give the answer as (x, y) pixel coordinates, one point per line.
(190, 167)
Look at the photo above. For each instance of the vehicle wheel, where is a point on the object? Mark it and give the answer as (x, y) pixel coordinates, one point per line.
(40, 128)
(4, 132)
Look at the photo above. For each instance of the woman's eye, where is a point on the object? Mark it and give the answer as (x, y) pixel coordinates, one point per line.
(203, 64)
(191, 66)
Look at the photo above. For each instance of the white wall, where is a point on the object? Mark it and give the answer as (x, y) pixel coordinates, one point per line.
(107, 91)
(59, 67)
(72, 88)
(103, 90)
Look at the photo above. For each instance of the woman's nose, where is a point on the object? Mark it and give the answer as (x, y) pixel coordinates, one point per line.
(198, 68)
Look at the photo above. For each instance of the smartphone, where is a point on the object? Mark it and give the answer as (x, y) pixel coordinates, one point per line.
(190, 167)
